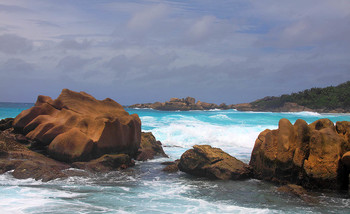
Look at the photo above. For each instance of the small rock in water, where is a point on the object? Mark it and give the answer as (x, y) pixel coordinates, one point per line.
(171, 166)
(206, 161)
(297, 191)
(149, 147)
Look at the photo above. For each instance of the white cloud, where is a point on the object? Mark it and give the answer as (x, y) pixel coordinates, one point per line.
(202, 27)
(147, 17)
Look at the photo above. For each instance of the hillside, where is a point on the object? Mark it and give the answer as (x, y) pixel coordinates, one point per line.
(329, 99)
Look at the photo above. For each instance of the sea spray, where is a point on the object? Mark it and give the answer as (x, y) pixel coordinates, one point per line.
(146, 189)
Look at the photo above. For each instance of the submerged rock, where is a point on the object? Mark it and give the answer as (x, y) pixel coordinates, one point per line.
(308, 155)
(77, 127)
(298, 191)
(149, 147)
(206, 161)
(106, 163)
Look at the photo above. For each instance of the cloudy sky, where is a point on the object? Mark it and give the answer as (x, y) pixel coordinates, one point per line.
(138, 51)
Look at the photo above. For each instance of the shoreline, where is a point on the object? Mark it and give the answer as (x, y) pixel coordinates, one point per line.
(248, 111)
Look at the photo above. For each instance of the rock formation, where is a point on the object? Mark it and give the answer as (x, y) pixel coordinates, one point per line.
(206, 161)
(77, 127)
(149, 147)
(26, 163)
(307, 155)
(184, 104)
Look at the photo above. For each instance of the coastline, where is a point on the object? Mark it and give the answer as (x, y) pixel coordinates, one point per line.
(233, 131)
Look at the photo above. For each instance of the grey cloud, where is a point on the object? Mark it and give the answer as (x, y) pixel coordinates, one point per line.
(161, 49)
(72, 44)
(73, 63)
(15, 66)
(13, 44)
(310, 33)
(141, 62)
(12, 8)
(44, 23)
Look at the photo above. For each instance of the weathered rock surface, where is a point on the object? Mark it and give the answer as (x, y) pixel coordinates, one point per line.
(106, 163)
(184, 104)
(307, 155)
(27, 163)
(77, 127)
(206, 161)
(149, 147)
(171, 167)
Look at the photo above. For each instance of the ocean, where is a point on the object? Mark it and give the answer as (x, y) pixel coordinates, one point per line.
(146, 189)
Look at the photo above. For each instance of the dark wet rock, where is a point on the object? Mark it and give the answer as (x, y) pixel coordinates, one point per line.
(26, 163)
(149, 147)
(6, 123)
(303, 154)
(106, 163)
(346, 160)
(206, 161)
(298, 191)
(171, 166)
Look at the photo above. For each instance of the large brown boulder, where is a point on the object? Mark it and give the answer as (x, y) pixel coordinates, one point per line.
(77, 127)
(149, 147)
(307, 155)
(206, 161)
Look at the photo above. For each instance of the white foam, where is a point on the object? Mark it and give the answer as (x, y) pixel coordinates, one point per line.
(221, 131)
(215, 109)
(187, 134)
(305, 113)
(220, 117)
(126, 189)
(17, 196)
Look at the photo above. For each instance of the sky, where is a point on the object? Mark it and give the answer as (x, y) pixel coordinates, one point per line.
(137, 51)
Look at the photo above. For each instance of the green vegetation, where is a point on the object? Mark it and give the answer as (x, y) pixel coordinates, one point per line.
(329, 98)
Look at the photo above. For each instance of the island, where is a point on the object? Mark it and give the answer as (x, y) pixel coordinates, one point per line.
(332, 99)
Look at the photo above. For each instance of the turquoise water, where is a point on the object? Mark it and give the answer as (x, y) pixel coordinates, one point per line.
(146, 189)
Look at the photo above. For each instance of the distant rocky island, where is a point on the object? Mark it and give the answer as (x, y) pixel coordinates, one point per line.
(332, 99)
(184, 104)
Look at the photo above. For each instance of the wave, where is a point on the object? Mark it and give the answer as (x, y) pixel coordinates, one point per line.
(305, 113)
(187, 131)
